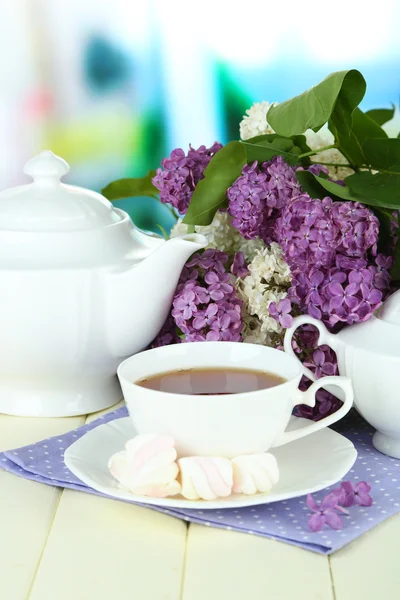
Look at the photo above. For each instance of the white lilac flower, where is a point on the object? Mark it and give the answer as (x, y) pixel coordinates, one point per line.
(220, 233)
(251, 332)
(250, 247)
(179, 229)
(325, 138)
(268, 281)
(255, 121)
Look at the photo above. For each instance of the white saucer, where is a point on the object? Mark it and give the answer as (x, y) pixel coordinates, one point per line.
(306, 466)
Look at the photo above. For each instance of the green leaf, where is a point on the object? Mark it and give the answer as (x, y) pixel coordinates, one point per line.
(385, 234)
(395, 270)
(350, 140)
(319, 187)
(210, 193)
(163, 232)
(265, 147)
(383, 154)
(301, 142)
(128, 188)
(381, 115)
(381, 190)
(340, 92)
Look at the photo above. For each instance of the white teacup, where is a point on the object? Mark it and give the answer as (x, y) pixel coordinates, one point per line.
(223, 425)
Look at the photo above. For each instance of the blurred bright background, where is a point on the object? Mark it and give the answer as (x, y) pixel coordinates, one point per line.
(114, 85)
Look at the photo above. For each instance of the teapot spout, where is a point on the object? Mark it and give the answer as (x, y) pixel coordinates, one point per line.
(139, 298)
(173, 254)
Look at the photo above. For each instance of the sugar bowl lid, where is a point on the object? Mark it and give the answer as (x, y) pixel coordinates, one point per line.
(47, 204)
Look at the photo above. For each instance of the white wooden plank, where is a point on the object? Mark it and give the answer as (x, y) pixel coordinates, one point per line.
(20, 431)
(27, 508)
(226, 564)
(368, 567)
(103, 549)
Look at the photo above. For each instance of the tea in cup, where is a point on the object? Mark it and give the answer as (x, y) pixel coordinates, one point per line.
(221, 398)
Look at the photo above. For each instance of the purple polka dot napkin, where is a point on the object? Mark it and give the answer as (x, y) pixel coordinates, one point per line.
(285, 521)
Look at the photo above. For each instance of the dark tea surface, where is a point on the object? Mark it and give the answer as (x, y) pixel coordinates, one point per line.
(211, 381)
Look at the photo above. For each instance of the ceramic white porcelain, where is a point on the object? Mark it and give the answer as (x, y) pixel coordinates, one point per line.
(368, 353)
(81, 289)
(226, 425)
(306, 466)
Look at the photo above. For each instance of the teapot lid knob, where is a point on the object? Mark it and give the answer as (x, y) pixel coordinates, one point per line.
(46, 168)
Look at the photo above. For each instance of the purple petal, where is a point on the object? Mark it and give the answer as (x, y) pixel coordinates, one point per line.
(199, 322)
(311, 503)
(286, 321)
(212, 310)
(332, 519)
(351, 289)
(362, 487)
(335, 289)
(319, 357)
(351, 302)
(211, 277)
(363, 499)
(335, 302)
(316, 522)
(285, 306)
(187, 313)
(314, 311)
(375, 296)
(330, 501)
(212, 336)
(272, 309)
(317, 278)
(179, 303)
(348, 491)
(216, 294)
(328, 369)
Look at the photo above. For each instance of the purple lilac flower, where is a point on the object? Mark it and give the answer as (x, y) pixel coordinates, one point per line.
(205, 306)
(380, 272)
(180, 173)
(239, 266)
(332, 279)
(205, 318)
(326, 404)
(281, 312)
(346, 495)
(259, 194)
(167, 334)
(308, 336)
(359, 228)
(184, 304)
(325, 513)
(210, 259)
(316, 169)
(218, 285)
(323, 362)
(356, 494)
(307, 233)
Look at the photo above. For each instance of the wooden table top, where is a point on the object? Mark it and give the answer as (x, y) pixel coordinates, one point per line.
(67, 545)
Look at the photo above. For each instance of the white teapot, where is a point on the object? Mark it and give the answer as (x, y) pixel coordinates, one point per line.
(368, 353)
(81, 289)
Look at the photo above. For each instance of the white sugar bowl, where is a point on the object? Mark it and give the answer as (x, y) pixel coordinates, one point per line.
(81, 289)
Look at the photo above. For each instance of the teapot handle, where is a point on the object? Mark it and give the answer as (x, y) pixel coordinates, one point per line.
(324, 338)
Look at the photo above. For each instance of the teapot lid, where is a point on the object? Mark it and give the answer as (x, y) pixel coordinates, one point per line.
(48, 224)
(47, 204)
